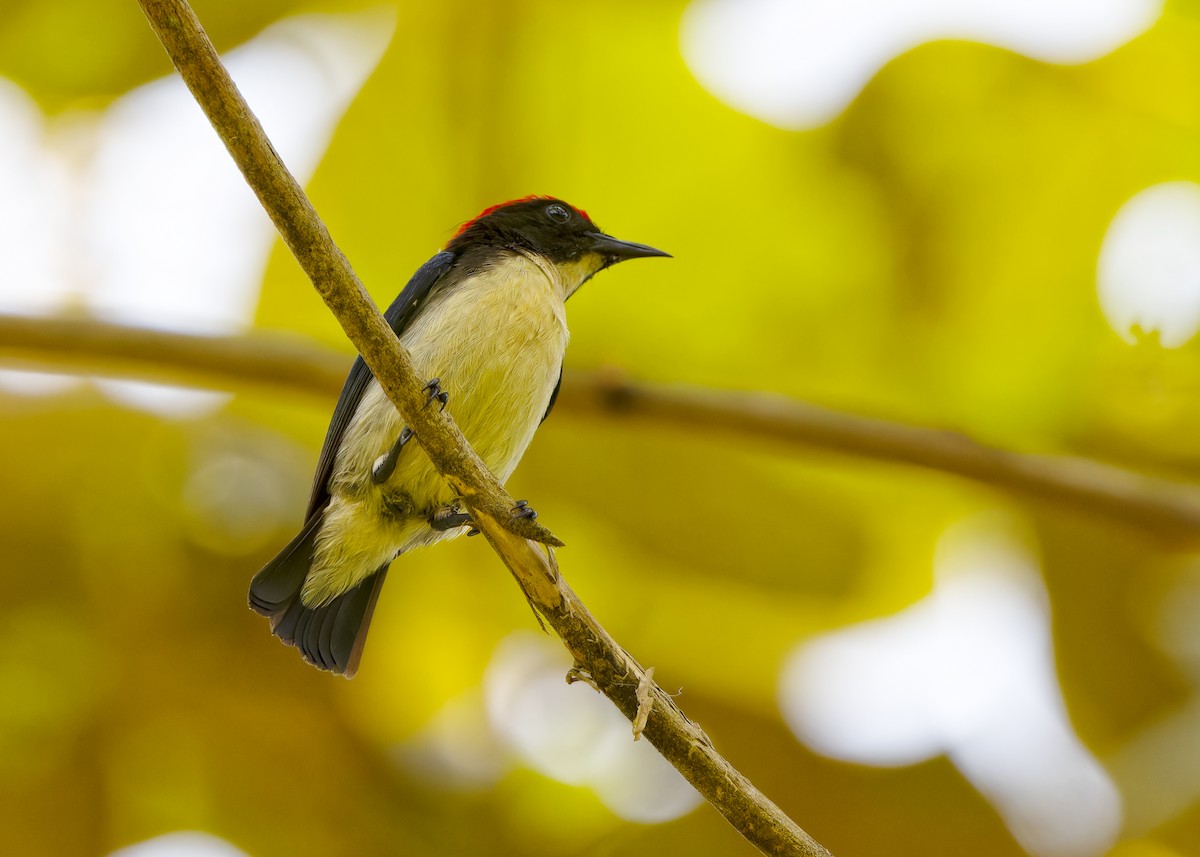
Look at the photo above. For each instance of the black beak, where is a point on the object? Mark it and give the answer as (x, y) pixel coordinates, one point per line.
(615, 250)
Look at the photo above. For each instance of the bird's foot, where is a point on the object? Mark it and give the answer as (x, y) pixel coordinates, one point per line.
(518, 519)
(435, 391)
(385, 465)
(450, 518)
(524, 510)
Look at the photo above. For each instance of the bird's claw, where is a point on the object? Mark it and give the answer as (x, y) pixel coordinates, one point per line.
(385, 464)
(524, 510)
(434, 388)
(449, 519)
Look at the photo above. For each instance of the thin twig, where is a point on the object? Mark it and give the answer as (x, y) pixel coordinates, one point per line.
(290, 365)
(615, 671)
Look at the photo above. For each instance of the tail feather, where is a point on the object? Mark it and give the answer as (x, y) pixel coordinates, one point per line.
(283, 623)
(349, 631)
(330, 636)
(278, 583)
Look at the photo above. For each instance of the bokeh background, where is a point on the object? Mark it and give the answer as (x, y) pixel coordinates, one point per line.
(975, 215)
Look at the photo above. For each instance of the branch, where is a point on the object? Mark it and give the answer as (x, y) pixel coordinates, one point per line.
(1158, 505)
(288, 365)
(613, 670)
(89, 347)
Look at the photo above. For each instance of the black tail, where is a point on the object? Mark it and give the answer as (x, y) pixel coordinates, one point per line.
(330, 637)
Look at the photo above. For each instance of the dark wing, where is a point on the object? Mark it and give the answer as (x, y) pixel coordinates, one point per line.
(554, 395)
(399, 315)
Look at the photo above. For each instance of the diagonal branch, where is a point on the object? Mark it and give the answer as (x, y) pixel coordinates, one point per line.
(286, 364)
(613, 670)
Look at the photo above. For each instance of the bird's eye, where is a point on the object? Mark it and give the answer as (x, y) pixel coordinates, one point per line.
(558, 213)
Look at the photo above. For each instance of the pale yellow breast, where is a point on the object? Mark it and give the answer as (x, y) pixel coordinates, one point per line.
(496, 342)
(497, 345)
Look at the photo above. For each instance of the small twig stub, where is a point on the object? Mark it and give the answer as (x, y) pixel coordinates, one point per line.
(645, 701)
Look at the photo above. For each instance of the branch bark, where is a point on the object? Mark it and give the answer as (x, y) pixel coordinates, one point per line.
(614, 671)
(290, 365)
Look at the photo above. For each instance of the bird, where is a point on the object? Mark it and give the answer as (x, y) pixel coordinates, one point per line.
(485, 320)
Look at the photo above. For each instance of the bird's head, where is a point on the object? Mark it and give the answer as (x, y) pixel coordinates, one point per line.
(553, 230)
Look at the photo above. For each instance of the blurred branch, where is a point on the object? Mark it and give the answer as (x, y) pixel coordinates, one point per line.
(296, 366)
(612, 669)
(89, 347)
(1156, 504)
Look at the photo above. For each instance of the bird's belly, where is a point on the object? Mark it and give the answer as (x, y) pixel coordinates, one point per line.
(498, 352)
